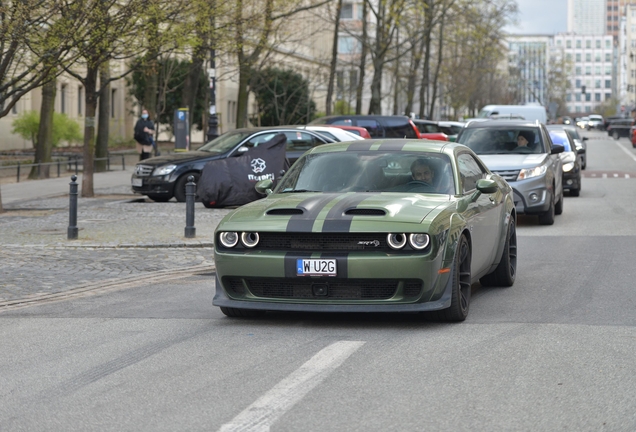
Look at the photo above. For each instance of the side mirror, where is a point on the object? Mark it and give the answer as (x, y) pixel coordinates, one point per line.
(585, 138)
(487, 186)
(264, 187)
(557, 148)
(242, 149)
(580, 150)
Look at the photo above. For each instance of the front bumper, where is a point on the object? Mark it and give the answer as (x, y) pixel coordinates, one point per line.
(434, 292)
(531, 196)
(155, 185)
(571, 180)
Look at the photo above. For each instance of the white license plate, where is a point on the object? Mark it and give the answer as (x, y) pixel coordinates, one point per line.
(137, 182)
(316, 267)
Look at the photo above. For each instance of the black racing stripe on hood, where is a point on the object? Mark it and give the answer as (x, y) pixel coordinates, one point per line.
(392, 145)
(336, 220)
(311, 208)
(360, 146)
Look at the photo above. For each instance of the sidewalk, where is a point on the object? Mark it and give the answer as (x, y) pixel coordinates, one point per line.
(122, 237)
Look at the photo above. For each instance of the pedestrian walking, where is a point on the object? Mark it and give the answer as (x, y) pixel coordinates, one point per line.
(144, 130)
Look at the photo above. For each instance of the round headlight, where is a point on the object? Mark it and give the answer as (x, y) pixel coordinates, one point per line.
(249, 239)
(419, 241)
(396, 241)
(229, 239)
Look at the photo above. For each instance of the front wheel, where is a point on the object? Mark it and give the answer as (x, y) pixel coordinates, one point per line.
(461, 291)
(547, 218)
(180, 185)
(505, 273)
(558, 207)
(159, 198)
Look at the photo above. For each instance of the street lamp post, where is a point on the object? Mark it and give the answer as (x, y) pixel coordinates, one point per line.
(213, 121)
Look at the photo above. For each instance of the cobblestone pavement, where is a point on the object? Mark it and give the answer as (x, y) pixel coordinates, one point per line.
(121, 236)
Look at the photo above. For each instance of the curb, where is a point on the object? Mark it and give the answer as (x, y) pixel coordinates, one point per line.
(106, 286)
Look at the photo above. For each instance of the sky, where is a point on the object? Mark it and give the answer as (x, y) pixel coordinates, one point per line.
(540, 16)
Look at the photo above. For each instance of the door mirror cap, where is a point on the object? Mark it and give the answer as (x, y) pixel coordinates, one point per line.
(557, 148)
(264, 187)
(487, 186)
(242, 149)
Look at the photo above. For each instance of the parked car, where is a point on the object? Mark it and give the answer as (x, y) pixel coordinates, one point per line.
(430, 130)
(535, 171)
(580, 142)
(415, 246)
(334, 133)
(571, 160)
(451, 129)
(163, 177)
(378, 126)
(619, 128)
(595, 122)
(360, 131)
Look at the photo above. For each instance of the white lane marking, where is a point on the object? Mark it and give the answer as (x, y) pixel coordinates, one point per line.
(259, 416)
(615, 175)
(630, 154)
(626, 176)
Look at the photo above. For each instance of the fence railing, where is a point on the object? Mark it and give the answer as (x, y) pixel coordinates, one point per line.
(72, 163)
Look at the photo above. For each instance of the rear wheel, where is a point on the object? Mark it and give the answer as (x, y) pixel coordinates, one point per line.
(241, 313)
(180, 185)
(547, 218)
(505, 273)
(460, 298)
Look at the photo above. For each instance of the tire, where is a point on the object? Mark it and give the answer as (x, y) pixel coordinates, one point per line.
(558, 207)
(180, 185)
(547, 218)
(461, 291)
(506, 272)
(208, 205)
(615, 135)
(159, 198)
(241, 313)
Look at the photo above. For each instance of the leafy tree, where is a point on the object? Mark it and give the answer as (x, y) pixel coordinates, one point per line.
(283, 97)
(64, 129)
(171, 78)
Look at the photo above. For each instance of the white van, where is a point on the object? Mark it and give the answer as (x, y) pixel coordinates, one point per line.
(528, 112)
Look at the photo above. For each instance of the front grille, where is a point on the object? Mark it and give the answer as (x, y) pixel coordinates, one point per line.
(337, 289)
(508, 175)
(143, 170)
(323, 242)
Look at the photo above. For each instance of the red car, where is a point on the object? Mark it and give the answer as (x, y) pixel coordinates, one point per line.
(430, 130)
(632, 135)
(353, 129)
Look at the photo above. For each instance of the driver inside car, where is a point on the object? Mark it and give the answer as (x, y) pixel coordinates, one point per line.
(525, 138)
(421, 171)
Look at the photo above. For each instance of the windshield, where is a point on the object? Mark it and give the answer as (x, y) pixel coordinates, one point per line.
(561, 138)
(484, 114)
(502, 140)
(225, 142)
(370, 171)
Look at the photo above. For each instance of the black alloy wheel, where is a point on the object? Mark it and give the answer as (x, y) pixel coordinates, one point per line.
(506, 272)
(180, 185)
(461, 290)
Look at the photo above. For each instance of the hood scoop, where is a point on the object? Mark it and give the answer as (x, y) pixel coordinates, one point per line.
(365, 212)
(284, 211)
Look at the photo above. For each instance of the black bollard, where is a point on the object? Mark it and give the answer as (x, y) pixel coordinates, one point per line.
(191, 187)
(72, 210)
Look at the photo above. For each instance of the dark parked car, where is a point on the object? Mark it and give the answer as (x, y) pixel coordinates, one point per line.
(164, 177)
(571, 159)
(580, 142)
(378, 126)
(619, 128)
(534, 171)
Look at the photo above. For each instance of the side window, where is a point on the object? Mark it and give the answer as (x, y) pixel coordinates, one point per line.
(470, 171)
(301, 141)
(258, 139)
(398, 128)
(372, 126)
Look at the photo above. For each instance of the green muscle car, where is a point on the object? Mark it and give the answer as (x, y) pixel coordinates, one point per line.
(370, 226)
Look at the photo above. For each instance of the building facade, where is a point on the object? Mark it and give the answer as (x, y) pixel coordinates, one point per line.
(587, 17)
(528, 62)
(593, 70)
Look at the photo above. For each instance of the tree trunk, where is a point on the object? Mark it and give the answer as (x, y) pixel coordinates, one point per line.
(375, 105)
(243, 96)
(103, 121)
(44, 143)
(151, 71)
(440, 48)
(191, 83)
(363, 60)
(418, 53)
(334, 60)
(1, 209)
(428, 29)
(90, 84)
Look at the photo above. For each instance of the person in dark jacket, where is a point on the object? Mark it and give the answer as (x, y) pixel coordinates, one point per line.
(144, 129)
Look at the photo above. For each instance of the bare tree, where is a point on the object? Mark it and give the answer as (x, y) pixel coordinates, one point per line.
(334, 58)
